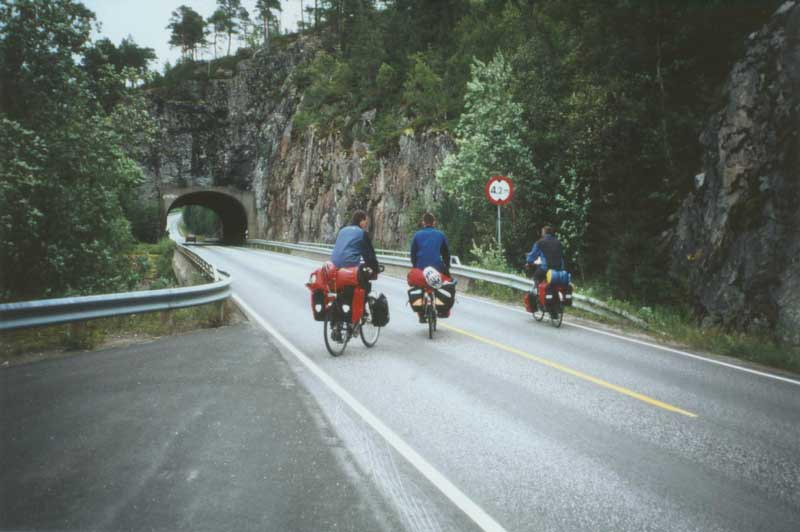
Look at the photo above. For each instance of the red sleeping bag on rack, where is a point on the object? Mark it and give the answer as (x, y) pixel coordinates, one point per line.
(327, 279)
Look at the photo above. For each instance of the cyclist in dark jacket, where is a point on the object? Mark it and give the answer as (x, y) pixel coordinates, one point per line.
(548, 250)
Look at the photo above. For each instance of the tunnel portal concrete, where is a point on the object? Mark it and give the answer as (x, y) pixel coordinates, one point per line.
(236, 208)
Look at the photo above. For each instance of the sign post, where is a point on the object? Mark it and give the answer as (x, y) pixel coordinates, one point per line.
(499, 190)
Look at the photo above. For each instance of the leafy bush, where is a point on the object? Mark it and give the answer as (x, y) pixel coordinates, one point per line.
(144, 216)
(491, 257)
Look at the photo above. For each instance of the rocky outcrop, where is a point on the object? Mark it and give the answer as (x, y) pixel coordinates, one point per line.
(240, 132)
(738, 235)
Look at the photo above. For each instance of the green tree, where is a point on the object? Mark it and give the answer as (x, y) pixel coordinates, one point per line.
(130, 61)
(423, 91)
(217, 22)
(573, 201)
(265, 9)
(201, 221)
(188, 31)
(328, 83)
(490, 139)
(365, 52)
(230, 19)
(134, 60)
(62, 167)
(245, 22)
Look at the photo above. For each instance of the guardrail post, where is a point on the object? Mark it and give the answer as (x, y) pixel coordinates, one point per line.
(166, 318)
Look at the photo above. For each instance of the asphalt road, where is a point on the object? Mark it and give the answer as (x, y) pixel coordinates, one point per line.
(205, 431)
(541, 428)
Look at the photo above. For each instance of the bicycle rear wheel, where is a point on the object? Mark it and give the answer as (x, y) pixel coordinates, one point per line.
(557, 315)
(430, 314)
(538, 311)
(336, 333)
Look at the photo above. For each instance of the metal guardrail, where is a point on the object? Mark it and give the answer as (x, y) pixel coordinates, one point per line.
(69, 309)
(509, 280)
(393, 252)
(454, 260)
(211, 273)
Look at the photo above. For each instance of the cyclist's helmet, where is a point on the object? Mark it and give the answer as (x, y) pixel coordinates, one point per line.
(432, 277)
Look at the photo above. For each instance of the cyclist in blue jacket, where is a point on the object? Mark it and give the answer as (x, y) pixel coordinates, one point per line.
(429, 247)
(353, 243)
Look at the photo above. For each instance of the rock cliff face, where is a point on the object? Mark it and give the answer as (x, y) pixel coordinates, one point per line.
(238, 132)
(738, 235)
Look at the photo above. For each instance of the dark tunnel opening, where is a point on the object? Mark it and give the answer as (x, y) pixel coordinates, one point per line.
(230, 211)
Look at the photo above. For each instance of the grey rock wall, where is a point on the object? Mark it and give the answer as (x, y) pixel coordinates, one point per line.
(738, 235)
(239, 132)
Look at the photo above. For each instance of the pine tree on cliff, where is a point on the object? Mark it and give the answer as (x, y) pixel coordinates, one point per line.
(230, 10)
(265, 8)
(188, 30)
(217, 23)
(245, 22)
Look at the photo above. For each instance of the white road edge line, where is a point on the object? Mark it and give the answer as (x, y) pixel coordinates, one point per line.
(448, 489)
(633, 340)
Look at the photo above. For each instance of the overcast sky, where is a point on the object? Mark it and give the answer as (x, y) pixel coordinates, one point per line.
(146, 20)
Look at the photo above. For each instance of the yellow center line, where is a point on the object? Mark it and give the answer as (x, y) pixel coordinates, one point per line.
(570, 371)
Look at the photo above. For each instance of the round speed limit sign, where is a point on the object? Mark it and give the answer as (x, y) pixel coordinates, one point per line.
(499, 190)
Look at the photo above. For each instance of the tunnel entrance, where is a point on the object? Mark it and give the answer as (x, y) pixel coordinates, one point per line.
(230, 211)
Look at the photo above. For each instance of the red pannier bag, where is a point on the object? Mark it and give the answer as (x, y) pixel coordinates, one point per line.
(346, 277)
(528, 304)
(543, 293)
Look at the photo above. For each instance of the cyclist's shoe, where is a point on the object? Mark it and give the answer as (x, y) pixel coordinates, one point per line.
(443, 313)
(422, 318)
(336, 335)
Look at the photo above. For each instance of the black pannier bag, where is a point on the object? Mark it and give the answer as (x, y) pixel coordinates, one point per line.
(568, 295)
(380, 311)
(415, 298)
(445, 297)
(318, 304)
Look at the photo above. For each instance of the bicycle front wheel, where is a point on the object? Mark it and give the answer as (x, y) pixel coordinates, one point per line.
(369, 332)
(336, 333)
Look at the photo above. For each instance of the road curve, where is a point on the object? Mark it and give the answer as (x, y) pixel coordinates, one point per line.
(542, 428)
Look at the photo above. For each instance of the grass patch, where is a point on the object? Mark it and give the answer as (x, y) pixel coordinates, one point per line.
(154, 262)
(16, 345)
(493, 291)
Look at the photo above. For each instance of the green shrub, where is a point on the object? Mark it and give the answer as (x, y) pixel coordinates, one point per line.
(491, 257)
